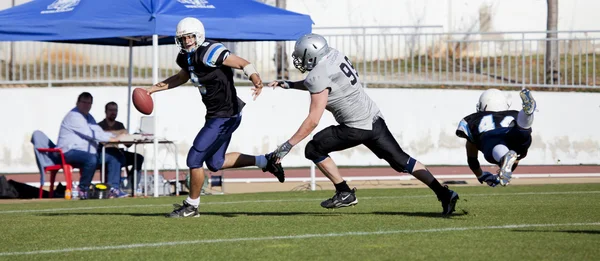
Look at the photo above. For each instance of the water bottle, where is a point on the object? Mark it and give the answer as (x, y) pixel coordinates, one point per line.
(74, 191)
(124, 182)
(68, 194)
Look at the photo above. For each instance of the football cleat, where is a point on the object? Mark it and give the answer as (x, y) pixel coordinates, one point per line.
(341, 199)
(529, 104)
(275, 168)
(185, 210)
(448, 200)
(505, 173)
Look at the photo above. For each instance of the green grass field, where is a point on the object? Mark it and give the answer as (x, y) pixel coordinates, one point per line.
(543, 222)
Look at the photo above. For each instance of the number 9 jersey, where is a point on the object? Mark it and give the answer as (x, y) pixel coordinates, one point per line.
(477, 126)
(347, 100)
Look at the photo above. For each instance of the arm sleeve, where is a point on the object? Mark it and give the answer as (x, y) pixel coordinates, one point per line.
(76, 122)
(97, 133)
(182, 62)
(215, 54)
(463, 130)
(317, 81)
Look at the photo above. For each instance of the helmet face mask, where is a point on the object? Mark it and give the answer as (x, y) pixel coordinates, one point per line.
(299, 62)
(189, 27)
(308, 51)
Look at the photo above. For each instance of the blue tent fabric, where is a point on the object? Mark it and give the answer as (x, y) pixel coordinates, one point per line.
(115, 22)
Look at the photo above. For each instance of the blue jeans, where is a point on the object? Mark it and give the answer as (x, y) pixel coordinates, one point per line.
(88, 163)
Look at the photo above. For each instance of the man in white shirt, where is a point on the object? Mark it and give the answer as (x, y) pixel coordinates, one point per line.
(79, 137)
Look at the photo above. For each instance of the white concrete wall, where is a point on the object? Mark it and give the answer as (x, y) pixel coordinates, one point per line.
(423, 121)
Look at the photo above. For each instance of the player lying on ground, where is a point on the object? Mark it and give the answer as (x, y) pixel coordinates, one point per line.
(502, 135)
(334, 84)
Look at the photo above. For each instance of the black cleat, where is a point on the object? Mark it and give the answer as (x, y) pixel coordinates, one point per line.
(275, 168)
(185, 210)
(341, 199)
(448, 200)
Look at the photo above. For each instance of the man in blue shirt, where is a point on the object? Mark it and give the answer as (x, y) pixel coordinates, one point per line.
(79, 137)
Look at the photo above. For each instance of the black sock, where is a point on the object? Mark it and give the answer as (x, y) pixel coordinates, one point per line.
(343, 187)
(437, 187)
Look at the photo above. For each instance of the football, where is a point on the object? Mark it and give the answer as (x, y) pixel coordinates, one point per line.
(142, 101)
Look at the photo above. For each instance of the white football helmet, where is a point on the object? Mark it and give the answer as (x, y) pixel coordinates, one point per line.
(187, 26)
(492, 100)
(309, 49)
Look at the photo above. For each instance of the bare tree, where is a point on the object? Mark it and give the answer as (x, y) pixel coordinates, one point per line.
(12, 56)
(551, 43)
(280, 58)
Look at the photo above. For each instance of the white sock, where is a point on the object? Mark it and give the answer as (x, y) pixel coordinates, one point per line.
(193, 202)
(260, 161)
(524, 121)
(499, 151)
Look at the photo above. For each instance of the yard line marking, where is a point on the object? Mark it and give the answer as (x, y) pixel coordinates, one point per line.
(289, 200)
(78, 208)
(240, 239)
(497, 194)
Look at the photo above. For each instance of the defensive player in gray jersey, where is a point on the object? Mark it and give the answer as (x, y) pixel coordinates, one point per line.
(334, 85)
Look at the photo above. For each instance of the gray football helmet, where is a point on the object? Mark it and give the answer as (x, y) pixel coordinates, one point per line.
(309, 49)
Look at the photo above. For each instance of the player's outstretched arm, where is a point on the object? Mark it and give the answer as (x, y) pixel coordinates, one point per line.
(318, 101)
(299, 85)
(176, 80)
(237, 62)
(472, 160)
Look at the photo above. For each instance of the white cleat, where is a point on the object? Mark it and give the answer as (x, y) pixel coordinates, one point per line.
(529, 104)
(505, 173)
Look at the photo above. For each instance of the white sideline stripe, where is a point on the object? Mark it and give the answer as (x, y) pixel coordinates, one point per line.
(388, 178)
(229, 240)
(293, 200)
(409, 177)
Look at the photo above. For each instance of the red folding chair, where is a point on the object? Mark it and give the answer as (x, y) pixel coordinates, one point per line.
(53, 169)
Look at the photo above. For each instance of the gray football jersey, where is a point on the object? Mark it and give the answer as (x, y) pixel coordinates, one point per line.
(347, 100)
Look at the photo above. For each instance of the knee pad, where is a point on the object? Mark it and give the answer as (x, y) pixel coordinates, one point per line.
(404, 165)
(195, 159)
(410, 165)
(311, 153)
(215, 165)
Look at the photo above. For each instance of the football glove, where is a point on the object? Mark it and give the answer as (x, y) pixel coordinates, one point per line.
(282, 150)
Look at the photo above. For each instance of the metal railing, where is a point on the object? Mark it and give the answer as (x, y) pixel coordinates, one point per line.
(387, 56)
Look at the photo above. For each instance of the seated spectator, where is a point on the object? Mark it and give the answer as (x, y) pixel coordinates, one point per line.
(79, 137)
(115, 127)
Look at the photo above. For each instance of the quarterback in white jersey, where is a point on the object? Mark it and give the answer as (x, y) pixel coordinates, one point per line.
(334, 85)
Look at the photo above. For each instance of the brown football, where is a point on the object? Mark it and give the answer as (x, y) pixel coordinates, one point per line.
(142, 101)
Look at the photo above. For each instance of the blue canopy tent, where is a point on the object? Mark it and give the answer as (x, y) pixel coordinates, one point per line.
(147, 22)
(116, 22)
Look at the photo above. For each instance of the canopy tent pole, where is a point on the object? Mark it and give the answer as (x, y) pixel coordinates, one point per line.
(155, 81)
(129, 85)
